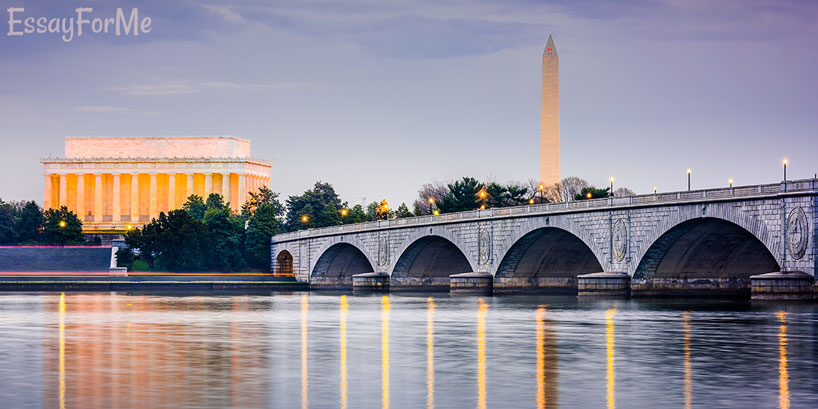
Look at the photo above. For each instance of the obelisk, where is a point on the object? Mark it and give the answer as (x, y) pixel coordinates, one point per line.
(550, 116)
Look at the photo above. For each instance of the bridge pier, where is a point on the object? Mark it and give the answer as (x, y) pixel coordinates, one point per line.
(471, 283)
(370, 282)
(783, 285)
(604, 284)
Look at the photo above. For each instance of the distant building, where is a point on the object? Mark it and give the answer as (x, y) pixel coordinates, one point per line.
(550, 116)
(113, 183)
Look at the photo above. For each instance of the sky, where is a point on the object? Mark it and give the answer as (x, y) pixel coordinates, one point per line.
(378, 97)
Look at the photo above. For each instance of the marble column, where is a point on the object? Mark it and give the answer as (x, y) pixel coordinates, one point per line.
(116, 208)
(242, 191)
(48, 193)
(63, 200)
(98, 210)
(135, 197)
(154, 197)
(208, 185)
(189, 186)
(171, 191)
(226, 186)
(81, 197)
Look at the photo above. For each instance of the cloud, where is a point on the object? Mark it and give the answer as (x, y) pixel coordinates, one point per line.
(183, 87)
(102, 109)
(226, 12)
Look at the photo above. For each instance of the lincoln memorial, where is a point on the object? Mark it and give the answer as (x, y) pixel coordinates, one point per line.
(114, 183)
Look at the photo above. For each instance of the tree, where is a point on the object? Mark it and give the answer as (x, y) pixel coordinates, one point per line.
(215, 201)
(372, 212)
(595, 193)
(226, 231)
(462, 196)
(321, 205)
(435, 190)
(261, 227)
(496, 195)
(29, 223)
(175, 242)
(516, 194)
(264, 195)
(624, 192)
(355, 215)
(62, 226)
(195, 206)
(6, 223)
(403, 212)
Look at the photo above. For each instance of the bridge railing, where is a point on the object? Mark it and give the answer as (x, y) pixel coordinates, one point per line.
(804, 185)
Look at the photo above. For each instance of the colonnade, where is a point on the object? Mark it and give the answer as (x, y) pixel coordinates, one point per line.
(135, 197)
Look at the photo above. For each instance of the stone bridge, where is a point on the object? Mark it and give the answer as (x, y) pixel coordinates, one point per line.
(690, 242)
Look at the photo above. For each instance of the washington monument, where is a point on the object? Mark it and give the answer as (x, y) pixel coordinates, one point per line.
(550, 116)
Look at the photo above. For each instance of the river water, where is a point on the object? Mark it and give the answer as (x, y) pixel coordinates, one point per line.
(324, 350)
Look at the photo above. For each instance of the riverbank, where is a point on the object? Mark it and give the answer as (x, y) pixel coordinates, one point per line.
(182, 282)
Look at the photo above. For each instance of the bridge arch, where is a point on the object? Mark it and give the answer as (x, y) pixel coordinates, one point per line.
(337, 261)
(283, 265)
(428, 260)
(714, 251)
(543, 259)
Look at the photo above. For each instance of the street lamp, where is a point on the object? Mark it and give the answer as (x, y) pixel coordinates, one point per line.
(531, 201)
(482, 194)
(588, 195)
(62, 224)
(436, 212)
(785, 170)
(654, 190)
(431, 203)
(305, 218)
(611, 192)
(541, 187)
(730, 181)
(688, 179)
(344, 212)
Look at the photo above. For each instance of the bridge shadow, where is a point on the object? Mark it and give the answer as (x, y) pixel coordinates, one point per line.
(427, 264)
(337, 265)
(548, 259)
(702, 256)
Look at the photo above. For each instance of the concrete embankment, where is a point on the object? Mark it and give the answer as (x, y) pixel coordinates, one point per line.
(150, 282)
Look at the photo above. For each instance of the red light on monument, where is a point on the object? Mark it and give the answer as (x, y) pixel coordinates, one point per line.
(548, 49)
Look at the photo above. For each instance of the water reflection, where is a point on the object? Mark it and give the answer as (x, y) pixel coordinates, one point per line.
(688, 380)
(343, 341)
(783, 375)
(305, 308)
(385, 307)
(62, 350)
(286, 351)
(430, 353)
(609, 342)
(482, 309)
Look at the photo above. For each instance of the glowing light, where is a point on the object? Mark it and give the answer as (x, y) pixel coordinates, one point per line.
(344, 212)
(305, 307)
(784, 162)
(612, 179)
(129, 227)
(541, 398)
(688, 171)
(688, 380)
(482, 207)
(430, 353)
(783, 375)
(62, 350)
(548, 49)
(730, 181)
(343, 352)
(609, 343)
(62, 223)
(482, 194)
(305, 218)
(541, 187)
(481, 354)
(654, 189)
(385, 352)
(588, 195)
(530, 201)
(436, 212)
(431, 200)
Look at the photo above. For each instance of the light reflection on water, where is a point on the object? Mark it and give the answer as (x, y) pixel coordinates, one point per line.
(317, 350)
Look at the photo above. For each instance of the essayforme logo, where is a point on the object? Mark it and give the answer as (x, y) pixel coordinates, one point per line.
(71, 27)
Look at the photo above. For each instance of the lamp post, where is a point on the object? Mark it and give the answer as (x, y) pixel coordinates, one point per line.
(688, 179)
(531, 201)
(611, 191)
(541, 188)
(62, 235)
(431, 203)
(305, 219)
(588, 195)
(654, 190)
(730, 181)
(785, 170)
(344, 212)
(482, 195)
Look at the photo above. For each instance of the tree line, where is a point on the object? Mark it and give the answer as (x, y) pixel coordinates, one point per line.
(25, 223)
